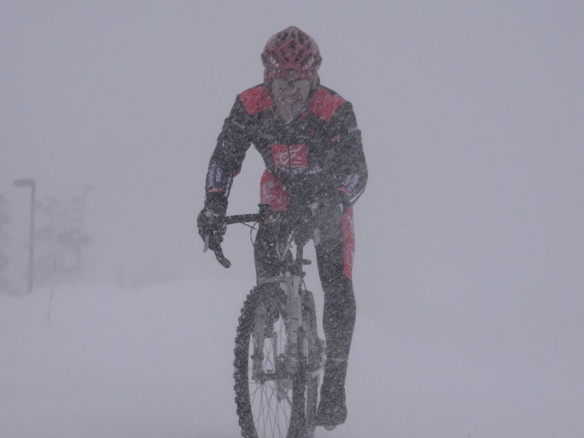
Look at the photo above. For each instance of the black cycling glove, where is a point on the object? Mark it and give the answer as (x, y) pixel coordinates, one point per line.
(211, 220)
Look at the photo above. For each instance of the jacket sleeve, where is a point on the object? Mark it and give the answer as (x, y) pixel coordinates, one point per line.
(227, 158)
(347, 159)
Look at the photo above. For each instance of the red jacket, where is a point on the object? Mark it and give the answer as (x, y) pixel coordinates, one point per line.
(314, 156)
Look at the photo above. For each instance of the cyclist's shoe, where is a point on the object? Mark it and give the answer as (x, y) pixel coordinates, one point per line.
(332, 409)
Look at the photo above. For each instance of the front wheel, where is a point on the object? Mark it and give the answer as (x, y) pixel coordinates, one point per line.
(275, 391)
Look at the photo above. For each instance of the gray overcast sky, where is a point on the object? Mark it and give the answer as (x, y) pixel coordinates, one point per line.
(471, 115)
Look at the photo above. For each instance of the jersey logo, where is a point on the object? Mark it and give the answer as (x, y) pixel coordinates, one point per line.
(293, 156)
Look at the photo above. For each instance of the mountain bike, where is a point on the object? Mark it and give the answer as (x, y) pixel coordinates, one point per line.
(279, 356)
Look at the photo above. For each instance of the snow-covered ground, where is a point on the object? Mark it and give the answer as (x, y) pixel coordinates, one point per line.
(148, 363)
(157, 363)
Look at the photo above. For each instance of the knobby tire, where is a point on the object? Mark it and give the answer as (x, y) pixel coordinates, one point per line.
(262, 413)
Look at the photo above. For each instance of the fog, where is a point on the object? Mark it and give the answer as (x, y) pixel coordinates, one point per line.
(469, 235)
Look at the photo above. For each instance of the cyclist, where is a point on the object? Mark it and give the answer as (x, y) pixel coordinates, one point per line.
(308, 137)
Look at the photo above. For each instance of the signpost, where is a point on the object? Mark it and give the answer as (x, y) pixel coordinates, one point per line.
(27, 182)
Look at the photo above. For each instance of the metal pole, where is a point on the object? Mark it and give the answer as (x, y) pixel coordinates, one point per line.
(31, 248)
(27, 182)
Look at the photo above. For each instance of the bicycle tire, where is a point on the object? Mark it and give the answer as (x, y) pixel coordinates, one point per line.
(271, 405)
(314, 353)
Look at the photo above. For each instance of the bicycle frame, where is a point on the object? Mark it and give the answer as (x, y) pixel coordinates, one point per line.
(285, 363)
(290, 282)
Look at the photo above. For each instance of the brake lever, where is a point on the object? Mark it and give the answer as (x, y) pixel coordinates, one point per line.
(224, 261)
(221, 258)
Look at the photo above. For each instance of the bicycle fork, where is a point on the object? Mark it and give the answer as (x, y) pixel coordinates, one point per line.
(291, 283)
(282, 364)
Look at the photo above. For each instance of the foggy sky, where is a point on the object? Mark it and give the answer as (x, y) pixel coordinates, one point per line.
(470, 233)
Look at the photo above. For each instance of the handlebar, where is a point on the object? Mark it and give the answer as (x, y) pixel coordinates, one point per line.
(235, 219)
(250, 218)
(243, 218)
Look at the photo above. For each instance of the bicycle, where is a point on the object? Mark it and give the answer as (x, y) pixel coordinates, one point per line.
(279, 356)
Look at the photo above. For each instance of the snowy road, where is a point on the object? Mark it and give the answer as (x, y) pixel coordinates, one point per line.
(157, 363)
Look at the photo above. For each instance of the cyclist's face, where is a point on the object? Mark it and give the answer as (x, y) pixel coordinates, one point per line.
(290, 96)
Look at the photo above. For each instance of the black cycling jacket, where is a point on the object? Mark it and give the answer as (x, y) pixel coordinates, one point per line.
(316, 155)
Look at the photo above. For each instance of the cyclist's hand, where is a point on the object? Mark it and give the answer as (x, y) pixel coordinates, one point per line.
(330, 207)
(327, 213)
(211, 220)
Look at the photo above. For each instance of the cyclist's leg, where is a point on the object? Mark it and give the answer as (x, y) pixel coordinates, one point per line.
(339, 298)
(333, 256)
(271, 234)
(269, 238)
